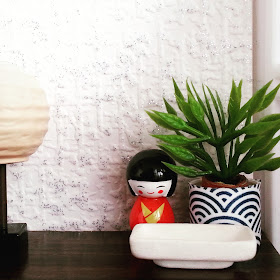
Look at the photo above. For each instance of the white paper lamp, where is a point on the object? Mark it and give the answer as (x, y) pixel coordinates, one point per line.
(24, 115)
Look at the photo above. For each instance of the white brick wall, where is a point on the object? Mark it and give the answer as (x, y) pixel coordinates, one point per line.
(101, 64)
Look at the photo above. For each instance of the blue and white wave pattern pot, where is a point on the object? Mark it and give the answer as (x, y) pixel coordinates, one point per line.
(241, 205)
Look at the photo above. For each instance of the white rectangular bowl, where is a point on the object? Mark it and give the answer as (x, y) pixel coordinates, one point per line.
(196, 246)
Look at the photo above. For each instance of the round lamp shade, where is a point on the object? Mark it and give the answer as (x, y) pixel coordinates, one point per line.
(24, 114)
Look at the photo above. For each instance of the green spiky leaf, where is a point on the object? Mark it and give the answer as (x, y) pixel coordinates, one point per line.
(254, 164)
(268, 99)
(268, 148)
(180, 140)
(234, 101)
(261, 127)
(186, 109)
(246, 145)
(196, 109)
(178, 124)
(169, 108)
(258, 99)
(159, 121)
(186, 171)
(217, 108)
(178, 93)
(178, 152)
(270, 165)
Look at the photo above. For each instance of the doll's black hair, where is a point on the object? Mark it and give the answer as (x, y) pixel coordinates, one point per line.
(147, 166)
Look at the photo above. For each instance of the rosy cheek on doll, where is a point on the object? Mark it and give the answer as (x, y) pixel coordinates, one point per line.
(140, 192)
(160, 191)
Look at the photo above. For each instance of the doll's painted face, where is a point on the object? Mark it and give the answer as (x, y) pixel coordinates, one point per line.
(150, 189)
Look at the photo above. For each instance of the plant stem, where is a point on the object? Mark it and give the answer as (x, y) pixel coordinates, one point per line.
(204, 155)
(222, 161)
(229, 136)
(246, 158)
(202, 165)
(248, 121)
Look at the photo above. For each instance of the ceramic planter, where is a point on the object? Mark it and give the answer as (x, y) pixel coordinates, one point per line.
(226, 206)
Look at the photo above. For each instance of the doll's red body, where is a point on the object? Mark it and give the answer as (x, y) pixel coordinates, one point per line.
(151, 210)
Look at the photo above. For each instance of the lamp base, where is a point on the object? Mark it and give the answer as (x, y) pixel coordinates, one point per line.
(14, 245)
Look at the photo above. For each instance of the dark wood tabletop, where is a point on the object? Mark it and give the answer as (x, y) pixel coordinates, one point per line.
(106, 255)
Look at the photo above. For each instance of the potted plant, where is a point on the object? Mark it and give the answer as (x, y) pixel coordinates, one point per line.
(222, 194)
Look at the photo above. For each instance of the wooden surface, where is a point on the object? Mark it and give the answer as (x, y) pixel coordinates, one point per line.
(106, 255)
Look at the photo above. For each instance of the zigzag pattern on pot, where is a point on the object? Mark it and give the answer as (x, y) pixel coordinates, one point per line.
(227, 206)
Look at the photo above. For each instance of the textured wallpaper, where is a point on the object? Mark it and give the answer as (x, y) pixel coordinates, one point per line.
(103, 63)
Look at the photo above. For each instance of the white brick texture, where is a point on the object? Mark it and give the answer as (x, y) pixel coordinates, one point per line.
(103, 63)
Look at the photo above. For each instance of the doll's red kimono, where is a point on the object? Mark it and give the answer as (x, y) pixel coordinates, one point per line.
(151, 210)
